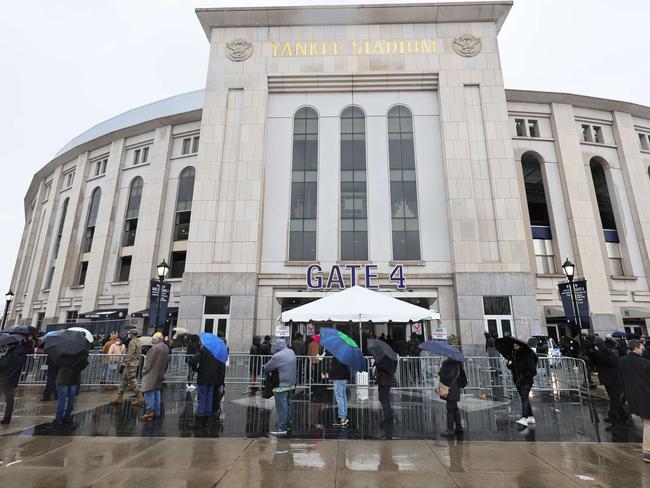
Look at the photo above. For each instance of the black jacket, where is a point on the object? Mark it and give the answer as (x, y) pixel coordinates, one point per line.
(606, 362)
(523, 367)
(210, 371)
(11, 365)
(70, 369)
(338, 370)
(299, 348)
(634, 372)
(451, 370)
(265, 349)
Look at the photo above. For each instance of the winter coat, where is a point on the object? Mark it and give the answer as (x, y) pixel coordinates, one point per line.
(70, 368)
(313, 349)
(265, 349)
(254, 363)
(298, 346)
(11, 365)
(634, 371)
(210, 370)
(116, 350)
(452, 374)
(338, 370)
(606, 363)
(155, 365)
(133, 352)
(523, 367)
(107, 348)
(284, 360)
(384, 377)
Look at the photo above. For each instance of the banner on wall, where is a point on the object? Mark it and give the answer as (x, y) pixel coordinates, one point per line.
(582, 300)
(154, 289)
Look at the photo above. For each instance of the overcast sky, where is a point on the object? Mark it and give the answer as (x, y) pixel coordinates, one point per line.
(65, 66)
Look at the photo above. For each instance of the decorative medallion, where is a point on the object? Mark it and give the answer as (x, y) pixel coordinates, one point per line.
(239, 50)
(467, 45)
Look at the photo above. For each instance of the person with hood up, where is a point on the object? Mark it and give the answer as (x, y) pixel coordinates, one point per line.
(452, 374)
(634, 371)
(524, 369)
(153, 374)
(11, 365)
(254, 363)
(283, 360)
(209, 371)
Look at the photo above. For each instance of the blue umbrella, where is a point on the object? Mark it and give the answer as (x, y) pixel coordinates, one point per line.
(352, 357)
(216, 346)
(618, 333)
(442, 349)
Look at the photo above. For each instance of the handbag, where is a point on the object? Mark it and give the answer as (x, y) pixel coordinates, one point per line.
(443, 390)
(121, 370)
(272, 380)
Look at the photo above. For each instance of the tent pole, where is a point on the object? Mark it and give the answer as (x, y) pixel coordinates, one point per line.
(360, 335)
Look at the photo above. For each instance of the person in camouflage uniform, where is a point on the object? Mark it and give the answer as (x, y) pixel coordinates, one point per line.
(130, 375)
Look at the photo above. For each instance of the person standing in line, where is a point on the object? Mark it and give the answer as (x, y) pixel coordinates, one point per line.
(385, 381)
(634, 371)
(153, 374)
(219, 386)
(105, 359)
(208, 372)
(130, 375)
(193, 346)
(266, 349)
(606, 363)
(284, 360)
(254, 363)
(50, 381)
(339, 373)
(313, 351)
(452, 374)
(68, 380)
(11, 365)
(300, 350)
(524, 369)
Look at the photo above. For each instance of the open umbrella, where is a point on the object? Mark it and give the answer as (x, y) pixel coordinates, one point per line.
(21, 329)
(180, 331)
(383, 354)
(442, 349)
(619, 334)
(504, 346)
(216, 346)
(85, 332)
(343, 348)
(67, 342)
(6, 339)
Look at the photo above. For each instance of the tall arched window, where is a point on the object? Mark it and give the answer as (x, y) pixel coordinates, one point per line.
(354, 213)
(57, 244)
(132, 212)
(304, 186)
(538, 212)
(403, 188)
(182, 222)
(89, 233)
(607, 217)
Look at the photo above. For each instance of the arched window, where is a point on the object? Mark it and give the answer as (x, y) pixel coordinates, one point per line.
(132, 212)
(538, 212)
(403, 187)
(304, 186)
(182, 222)
(354, 213)
(91, 220)
(607, 217)
(59, 233)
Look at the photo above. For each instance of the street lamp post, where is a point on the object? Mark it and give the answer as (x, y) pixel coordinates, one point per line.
(9, 297)
(569, 270)
(162, 270)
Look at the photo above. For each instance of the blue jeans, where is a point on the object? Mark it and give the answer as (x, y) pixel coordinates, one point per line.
(283, 409)
(204, 401)
(340, 392)
(67, 395)
(152, 402)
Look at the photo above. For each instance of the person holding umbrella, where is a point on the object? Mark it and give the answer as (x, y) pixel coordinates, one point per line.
(67, 382)
(339, 373)
(11, 365)
(385, 363)
(522, 361)
(208, 362)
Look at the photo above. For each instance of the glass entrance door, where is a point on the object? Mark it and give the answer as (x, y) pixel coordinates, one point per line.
(216, 324)
(499, 325)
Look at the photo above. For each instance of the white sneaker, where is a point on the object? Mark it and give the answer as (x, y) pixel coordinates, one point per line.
(531, 420)
(191, 388)
(523, 421)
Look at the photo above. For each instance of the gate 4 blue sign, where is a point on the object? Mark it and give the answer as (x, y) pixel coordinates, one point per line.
(337, 276)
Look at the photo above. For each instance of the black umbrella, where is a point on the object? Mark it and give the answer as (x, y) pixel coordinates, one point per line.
(21, 329)
(6, 339)
(504, 346)
(384, 356)
(68, 342)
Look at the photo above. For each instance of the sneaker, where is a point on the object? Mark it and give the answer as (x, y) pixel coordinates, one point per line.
(646, 457)
(4, 422)
(278, 433)
(345, 423)
(191, 388)
(337, 422)
(523, 421)
(531, 420)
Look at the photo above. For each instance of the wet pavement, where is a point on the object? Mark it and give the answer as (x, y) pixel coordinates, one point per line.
(108, 446)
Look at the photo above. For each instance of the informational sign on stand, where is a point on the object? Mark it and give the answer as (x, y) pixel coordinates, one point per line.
(439, 334)
(582, 301)
(282, 331)
(154, 290)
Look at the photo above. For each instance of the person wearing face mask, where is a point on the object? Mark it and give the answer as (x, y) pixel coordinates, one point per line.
(115, 353)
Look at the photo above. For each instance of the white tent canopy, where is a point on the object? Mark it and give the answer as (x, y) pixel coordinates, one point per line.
(358, 304)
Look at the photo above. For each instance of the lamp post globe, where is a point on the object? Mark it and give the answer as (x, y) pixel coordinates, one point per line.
(162, 269)
(569, 269)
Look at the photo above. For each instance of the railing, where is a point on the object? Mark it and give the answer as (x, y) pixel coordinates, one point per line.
(487, 377)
